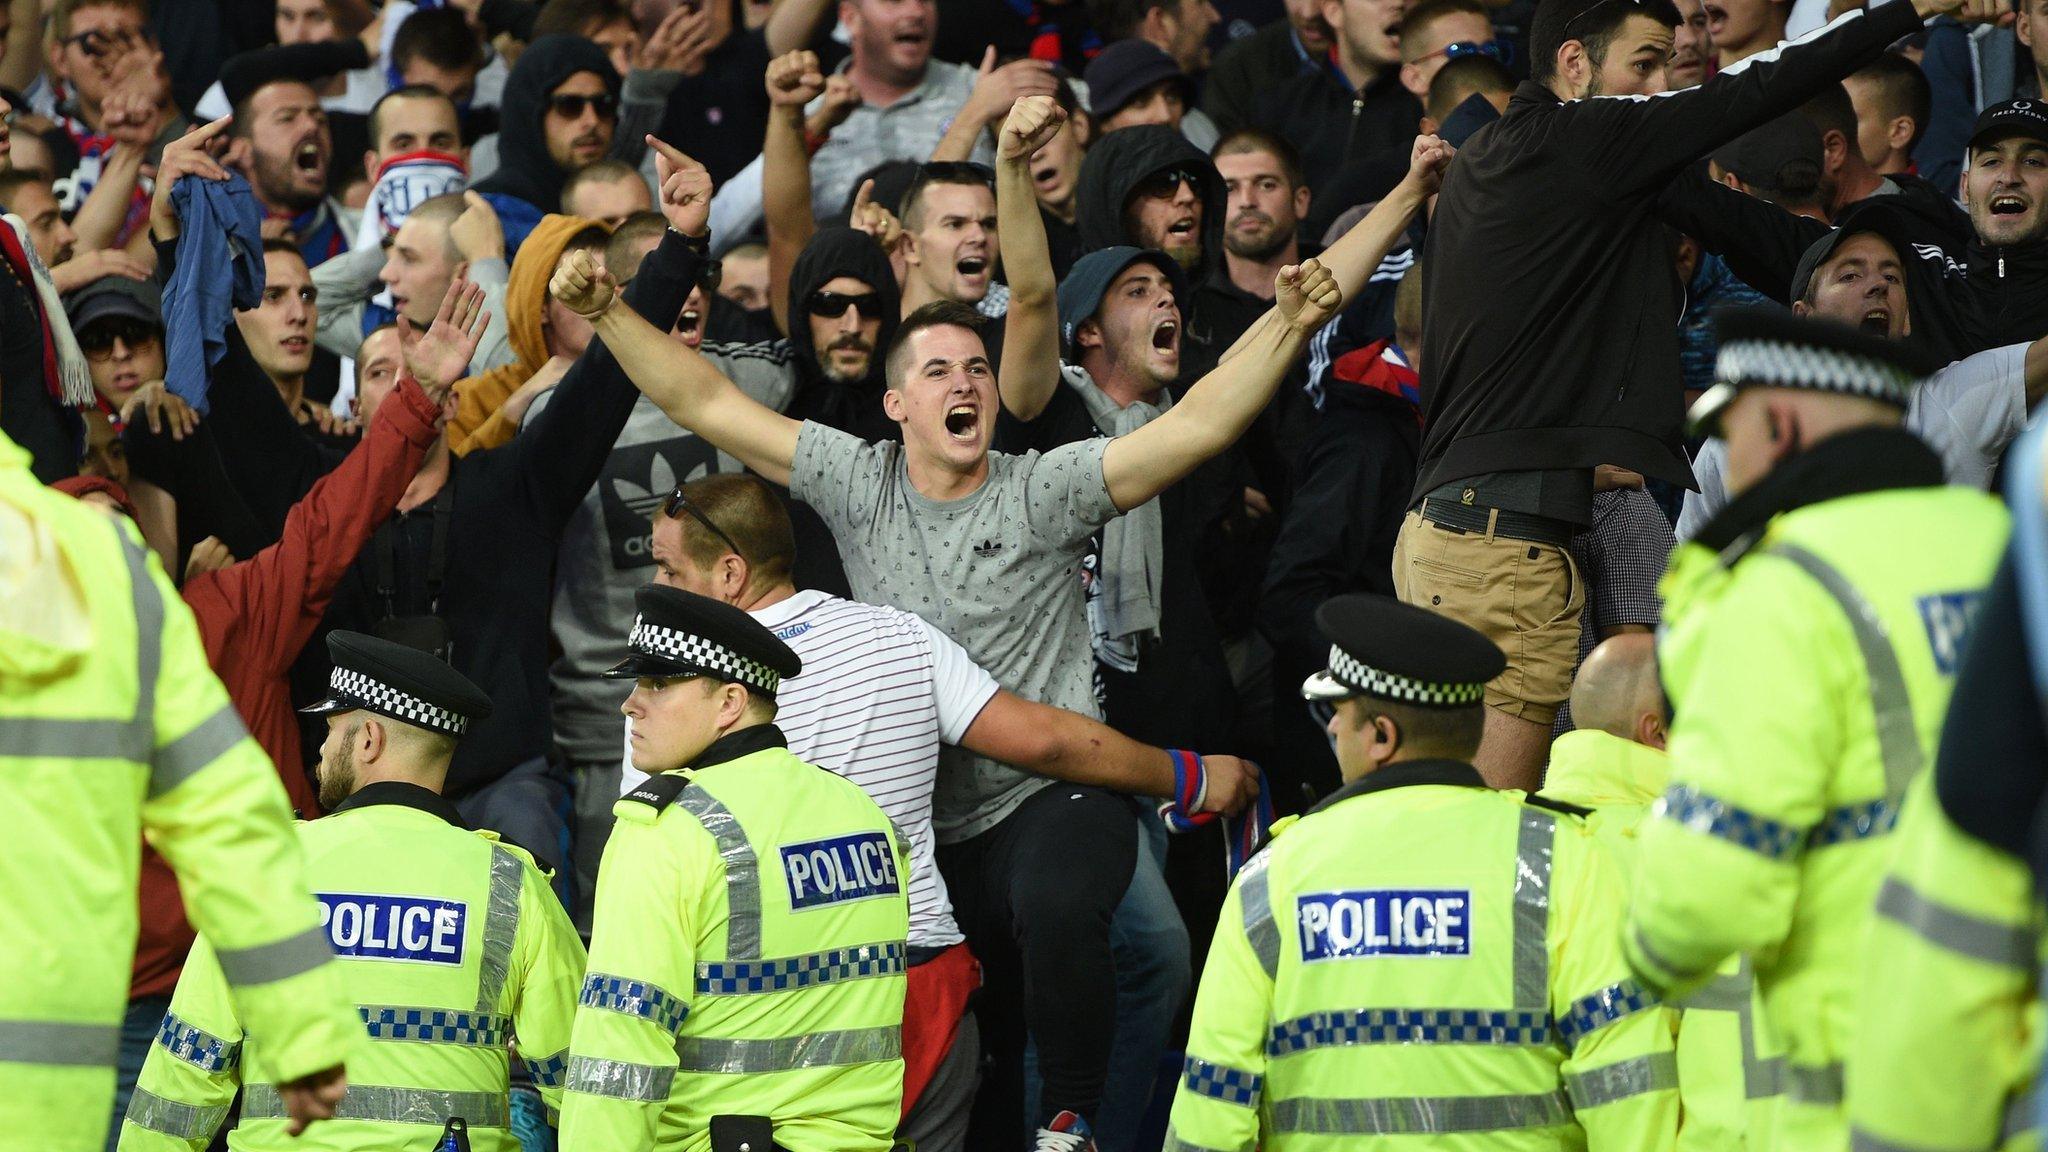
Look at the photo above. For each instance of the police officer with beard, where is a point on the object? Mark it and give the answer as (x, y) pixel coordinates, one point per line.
(449, 940)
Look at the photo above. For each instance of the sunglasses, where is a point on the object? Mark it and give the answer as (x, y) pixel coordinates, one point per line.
(97, 342)
(1497, 49)
(1168, 182)
(570, 106)
(832, 305)
(677, 504)
(710, 274)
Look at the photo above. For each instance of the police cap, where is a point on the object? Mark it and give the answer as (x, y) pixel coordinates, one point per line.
(1771, 348)
(678, 633)
(405, 684)
(1382, 648)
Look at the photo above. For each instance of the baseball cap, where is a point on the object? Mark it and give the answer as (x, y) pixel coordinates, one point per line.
(1782, 156)
(1869, 216)
(2028, 118)
(115, 296)
(1124, 69)
(1088, 281)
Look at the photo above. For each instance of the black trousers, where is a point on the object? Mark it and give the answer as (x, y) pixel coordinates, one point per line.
(1035, 895)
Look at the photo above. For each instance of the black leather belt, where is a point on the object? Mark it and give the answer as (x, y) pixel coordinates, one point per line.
(1478, 519)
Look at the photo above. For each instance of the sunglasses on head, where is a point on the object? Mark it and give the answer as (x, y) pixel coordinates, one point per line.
(832, 305)
(1497, 49)
(97, 341)
(570, 106)
(1168, 182)
(678, 505)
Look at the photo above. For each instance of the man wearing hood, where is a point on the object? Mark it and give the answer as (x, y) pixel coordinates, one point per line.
(1991, 293)
(559, 113)
(544, 337)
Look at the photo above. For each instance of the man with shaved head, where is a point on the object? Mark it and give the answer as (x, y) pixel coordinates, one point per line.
(1613, 767)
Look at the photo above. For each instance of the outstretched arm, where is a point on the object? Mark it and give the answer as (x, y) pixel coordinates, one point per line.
(793, 80)
(1031, 331)
(673, 375)
(1069, 746)
(1216, 411)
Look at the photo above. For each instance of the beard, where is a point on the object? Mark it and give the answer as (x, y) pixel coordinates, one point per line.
(836, 376)
(276, 181)
(338, 775)
(1258, 247)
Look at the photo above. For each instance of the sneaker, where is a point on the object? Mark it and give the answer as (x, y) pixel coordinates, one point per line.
(1066, 1133)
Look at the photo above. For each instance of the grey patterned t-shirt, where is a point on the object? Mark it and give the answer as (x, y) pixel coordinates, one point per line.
(996, 570)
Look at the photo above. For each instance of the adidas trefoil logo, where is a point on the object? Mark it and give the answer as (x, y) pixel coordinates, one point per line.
(987, 548)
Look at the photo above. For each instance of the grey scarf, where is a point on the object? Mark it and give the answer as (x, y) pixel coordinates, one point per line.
(1133, 543)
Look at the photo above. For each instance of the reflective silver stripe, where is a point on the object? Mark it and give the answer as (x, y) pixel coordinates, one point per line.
(428, 1106)
(1898, 741)
(1623, 1079)
(2006, 945)
(175, 762)
(1176, 1144)
(179, 1121)
(1260, 929)
(74, 739)
(52, 1042)
(1401, 1115)
(149, 638)
(742, 872)
(619, 1080)
(281, 960)
(501, 927)
(1533, 844)
(814, 1050)
(1814, 1084)
(1736, 993)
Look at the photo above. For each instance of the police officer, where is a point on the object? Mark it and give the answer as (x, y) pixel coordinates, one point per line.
(1421, 956)
(1613, 765)
(111, 724)
(1812, 632)
(450, 942)
(747, 949)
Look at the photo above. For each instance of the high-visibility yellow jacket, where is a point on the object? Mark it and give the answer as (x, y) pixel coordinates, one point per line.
(1423, 962)
(113, 727)
(1810, 667)
(746, 958)
(1948, 1036)
(1729, 1067)
(452, 948)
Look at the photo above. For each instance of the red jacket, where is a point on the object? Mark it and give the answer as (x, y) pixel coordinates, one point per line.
(257, 614)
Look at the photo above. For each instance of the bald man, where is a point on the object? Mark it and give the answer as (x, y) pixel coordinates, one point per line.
(1613, 766)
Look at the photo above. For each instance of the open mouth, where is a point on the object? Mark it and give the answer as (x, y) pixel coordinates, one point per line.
(125, 381)
(308, 159)
(913, 36)
(690, 327)
(1877, 321)
(295, 344)
(2008, 206)
(972, 266)
(1164, 337)
(1045, 175)
(963, 421)
(1181, 229)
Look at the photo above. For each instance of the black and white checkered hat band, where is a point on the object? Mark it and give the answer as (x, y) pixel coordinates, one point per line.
(377, 696)
(696, 651)
(1769, 363)
(1352, 673)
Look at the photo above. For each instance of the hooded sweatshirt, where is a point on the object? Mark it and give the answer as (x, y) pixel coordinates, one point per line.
(1121, 161)
(477, 423)
(525, 169)
(852, 408)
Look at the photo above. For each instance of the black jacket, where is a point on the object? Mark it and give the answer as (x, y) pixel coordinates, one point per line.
(525, 169)
(1964, 296)
(1338, 537)
(1260, 62)
(510, 505)
(854, 408)
(1331, 125)
(1552, 296)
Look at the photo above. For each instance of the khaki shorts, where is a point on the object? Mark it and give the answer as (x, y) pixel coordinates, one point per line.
(1526, 597)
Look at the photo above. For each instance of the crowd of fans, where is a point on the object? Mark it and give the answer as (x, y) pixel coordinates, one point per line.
(316, 292)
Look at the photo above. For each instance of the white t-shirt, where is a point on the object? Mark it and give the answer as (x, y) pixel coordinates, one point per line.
(880, 690)
(1967, 412)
